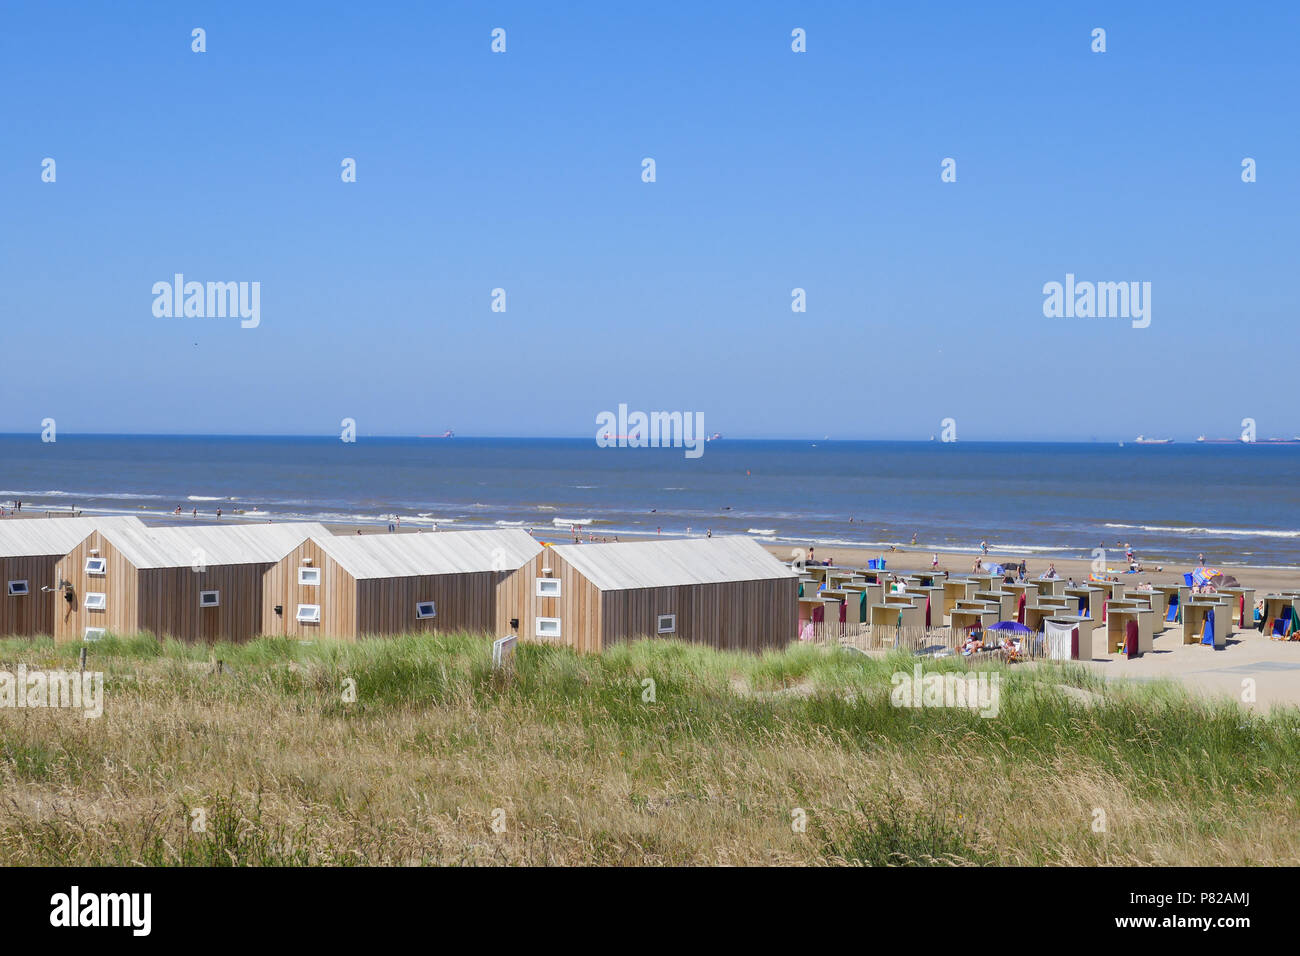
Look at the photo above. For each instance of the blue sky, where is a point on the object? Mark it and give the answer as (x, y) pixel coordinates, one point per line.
(775, 170)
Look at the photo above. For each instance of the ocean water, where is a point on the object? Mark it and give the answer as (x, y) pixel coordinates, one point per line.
(1237, 504)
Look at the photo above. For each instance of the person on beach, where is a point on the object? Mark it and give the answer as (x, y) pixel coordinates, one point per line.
(194, 513)
(913, 537)
(390, 524)
(978, 563)
(1200, 559)
(934, 561)
(1051, 570)
(984, 547)
(708, 533)
(218, 512)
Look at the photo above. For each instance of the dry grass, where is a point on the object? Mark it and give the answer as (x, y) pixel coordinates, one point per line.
(580, 770)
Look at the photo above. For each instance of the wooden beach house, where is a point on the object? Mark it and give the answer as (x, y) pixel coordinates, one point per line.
(193, 583)
(30, 551)
(723, 592)
(353, 586)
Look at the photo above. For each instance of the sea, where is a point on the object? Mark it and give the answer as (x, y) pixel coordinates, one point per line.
(1237, 504)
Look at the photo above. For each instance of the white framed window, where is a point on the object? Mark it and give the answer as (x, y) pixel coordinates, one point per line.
(309, 576)
(426, 609)
(548, 587)
(17, 588)
(666, 624)
(93, 634)
(309, 613)
(209, 598)
(96, 600)
(548, 627)
(96, 566)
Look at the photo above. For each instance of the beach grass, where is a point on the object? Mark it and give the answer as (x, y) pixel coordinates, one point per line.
(656, 752)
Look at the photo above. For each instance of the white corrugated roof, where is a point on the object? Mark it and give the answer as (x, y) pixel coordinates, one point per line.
(218, 544)
(25, 537)
(443, 552)
(661, 564)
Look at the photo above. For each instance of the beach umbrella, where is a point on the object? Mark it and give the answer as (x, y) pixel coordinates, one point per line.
(1224, 581)
(1204, 575)
(1013, 627)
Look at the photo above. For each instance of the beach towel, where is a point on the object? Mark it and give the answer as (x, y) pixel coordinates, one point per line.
(1075, 650)
(807, 633)
(801, 589)
(1061, 639)
(1020, 609)
(1279, 628)
(927, 611)
(1131, 640)
(1187, 579)
(1207, 629)
(1242, 606)
(1104, 605)
(819, 615)
(1172, 613)
(844, 616)
(1083, 606)
(862, 608)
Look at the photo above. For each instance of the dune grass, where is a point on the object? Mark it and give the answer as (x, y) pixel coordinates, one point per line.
(653, 753)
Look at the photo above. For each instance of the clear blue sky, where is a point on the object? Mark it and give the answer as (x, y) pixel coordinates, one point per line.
(775, 170)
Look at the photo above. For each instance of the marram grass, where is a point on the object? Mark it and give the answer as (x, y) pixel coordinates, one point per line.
(654, 753)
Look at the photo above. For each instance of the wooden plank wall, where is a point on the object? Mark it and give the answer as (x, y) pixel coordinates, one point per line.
(169, 602)
(578, 606)
(31, 614)
(337, 596)
(464, 602)
(120, 584)
(737, 616)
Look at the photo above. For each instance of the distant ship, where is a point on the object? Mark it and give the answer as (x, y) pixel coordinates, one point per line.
(1143, 440)
(716, 436)
(447, 434)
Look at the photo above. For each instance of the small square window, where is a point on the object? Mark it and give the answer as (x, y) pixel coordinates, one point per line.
(209, 598)
(17, 588)
(309, 613)
(548, 587)
(548, 627)
(426, 609)
(96, 565)
(93, 634)
(96, 600)
(309, 576)
(667, 624)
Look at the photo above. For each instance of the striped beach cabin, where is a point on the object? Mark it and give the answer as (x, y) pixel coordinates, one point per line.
(30, 551)
(351, 586)
(724, 592)
(193, 583)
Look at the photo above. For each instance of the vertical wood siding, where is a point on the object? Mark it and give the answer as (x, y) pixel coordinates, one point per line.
(31, 614)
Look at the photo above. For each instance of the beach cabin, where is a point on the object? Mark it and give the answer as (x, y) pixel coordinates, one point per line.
(354, 586)
(1176, 596)
(1154, 599)
(1280, 616)
(1005, 600)
(724, 592)
(192, 583)
(1118, 616)
(1051, 587)
(958, 589)
(30, 551)
(1243, 605)
(1086, 601)
(1197, 614)
(1085, 625)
